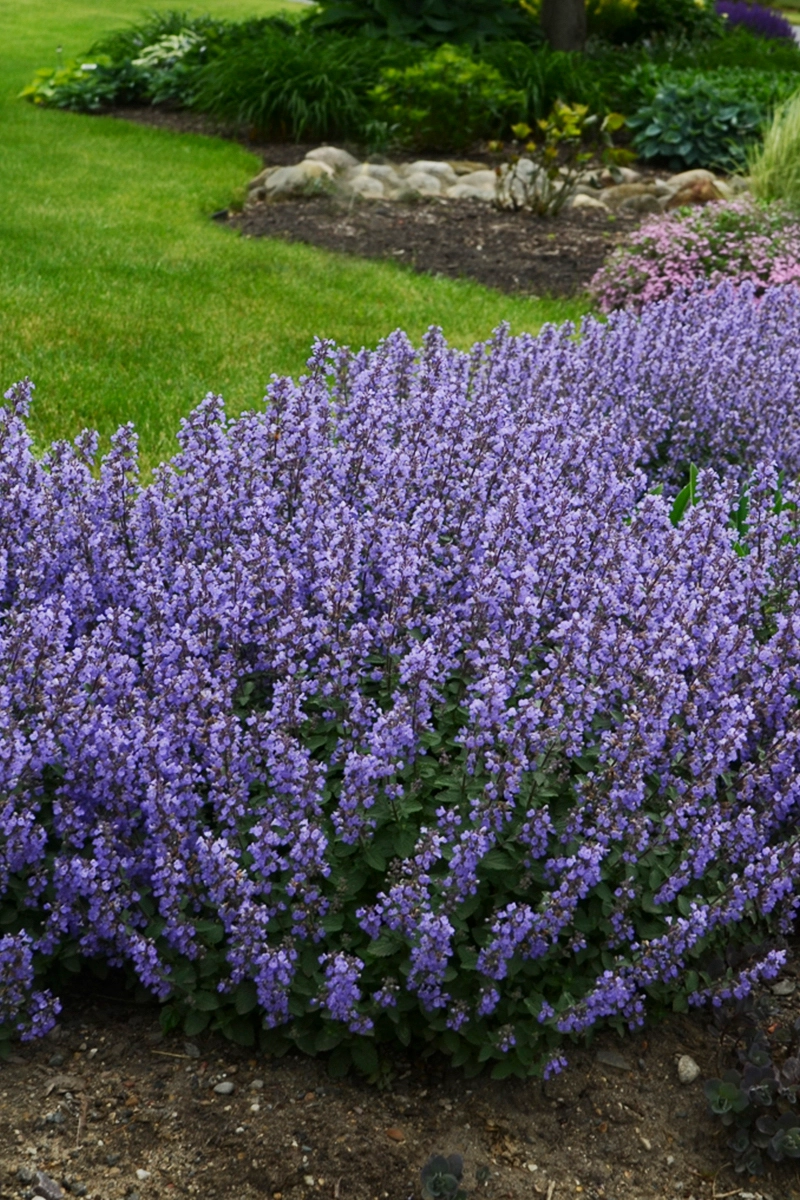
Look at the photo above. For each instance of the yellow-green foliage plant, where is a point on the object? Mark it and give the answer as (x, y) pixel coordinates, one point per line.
(775, 164)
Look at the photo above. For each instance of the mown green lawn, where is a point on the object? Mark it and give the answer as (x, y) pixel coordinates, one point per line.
(119, 297)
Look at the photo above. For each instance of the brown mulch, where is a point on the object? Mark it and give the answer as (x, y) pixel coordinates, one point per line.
(512, 252)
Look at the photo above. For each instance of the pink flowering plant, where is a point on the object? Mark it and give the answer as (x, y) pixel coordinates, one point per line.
(701, 247)
(426, 705)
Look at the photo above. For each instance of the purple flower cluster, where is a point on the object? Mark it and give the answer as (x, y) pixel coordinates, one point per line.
(409, 683)
(759, 20)
(699, 247)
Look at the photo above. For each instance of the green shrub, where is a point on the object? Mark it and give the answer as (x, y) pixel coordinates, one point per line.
(631, 20)
(775, 165)
(445, 101)
(83, 87)
(437, 22)
(153, 62)
(693, 119)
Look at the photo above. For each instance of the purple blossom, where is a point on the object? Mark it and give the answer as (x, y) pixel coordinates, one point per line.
(423, 625)
(759, 20)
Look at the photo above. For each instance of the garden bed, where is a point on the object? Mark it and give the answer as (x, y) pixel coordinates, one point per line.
(106, 1096)
(461, 239)
(510, 251)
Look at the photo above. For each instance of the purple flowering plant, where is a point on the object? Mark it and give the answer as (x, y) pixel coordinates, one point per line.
(424, 705)
(759, 20)
(741, 241)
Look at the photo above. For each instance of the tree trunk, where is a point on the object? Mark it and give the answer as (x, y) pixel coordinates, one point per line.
(564, 23)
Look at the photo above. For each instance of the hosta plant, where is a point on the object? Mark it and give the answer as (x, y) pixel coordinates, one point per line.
(423, 706)
(701, 247)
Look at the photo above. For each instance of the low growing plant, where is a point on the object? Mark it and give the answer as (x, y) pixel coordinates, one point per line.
(441, 1178)
(692, 119)
(702, 247)
(757, 1103)
(435, 22)
(290, 82)
(412, 709)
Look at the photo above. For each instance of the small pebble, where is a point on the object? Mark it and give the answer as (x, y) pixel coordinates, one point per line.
(612, 1058)
(688, 1069)
(56, 1060)
(784, 987)
(112, 1160)
(46, 1187)
(141, 1174)
(308, 1180)
(26, 1175)
(395, 1135)
(191, 1050)
(255, 1108)
(225, 1088)
(648, 1145)
(256, 1085)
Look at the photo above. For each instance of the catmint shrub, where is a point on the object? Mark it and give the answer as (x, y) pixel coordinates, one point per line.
(701, 247)
(763, 22)
(412, 709)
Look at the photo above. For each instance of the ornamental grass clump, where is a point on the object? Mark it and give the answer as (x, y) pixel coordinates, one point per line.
(413, 709)
(775, 165)
(701, 247)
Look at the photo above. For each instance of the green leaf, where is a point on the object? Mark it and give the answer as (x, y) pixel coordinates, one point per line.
(211, 931)
(195, 1022)
(365, 1055)
(498, 860)
(239, 1030)
(206, 1001)
(339, 1062)
(245, 997)
(382, 947)
(374, 858)
(685, 497)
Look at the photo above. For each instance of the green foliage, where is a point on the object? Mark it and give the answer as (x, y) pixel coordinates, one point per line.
(737, 47)
(441, 1178)
(445, 100)
(632, 20)
(544, 76)
(775, 165)
(150, 63)
(288, 81)
(691, 119)
(82, 87)
(545, 179)
(758, 1103)
(436, 22)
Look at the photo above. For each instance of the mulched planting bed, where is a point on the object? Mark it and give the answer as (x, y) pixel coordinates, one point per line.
(106, 1096)
(463, 239)
(460, 239)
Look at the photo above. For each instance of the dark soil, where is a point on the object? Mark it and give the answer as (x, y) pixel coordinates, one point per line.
(106, 1096)
(513, 252)
(461, 239)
